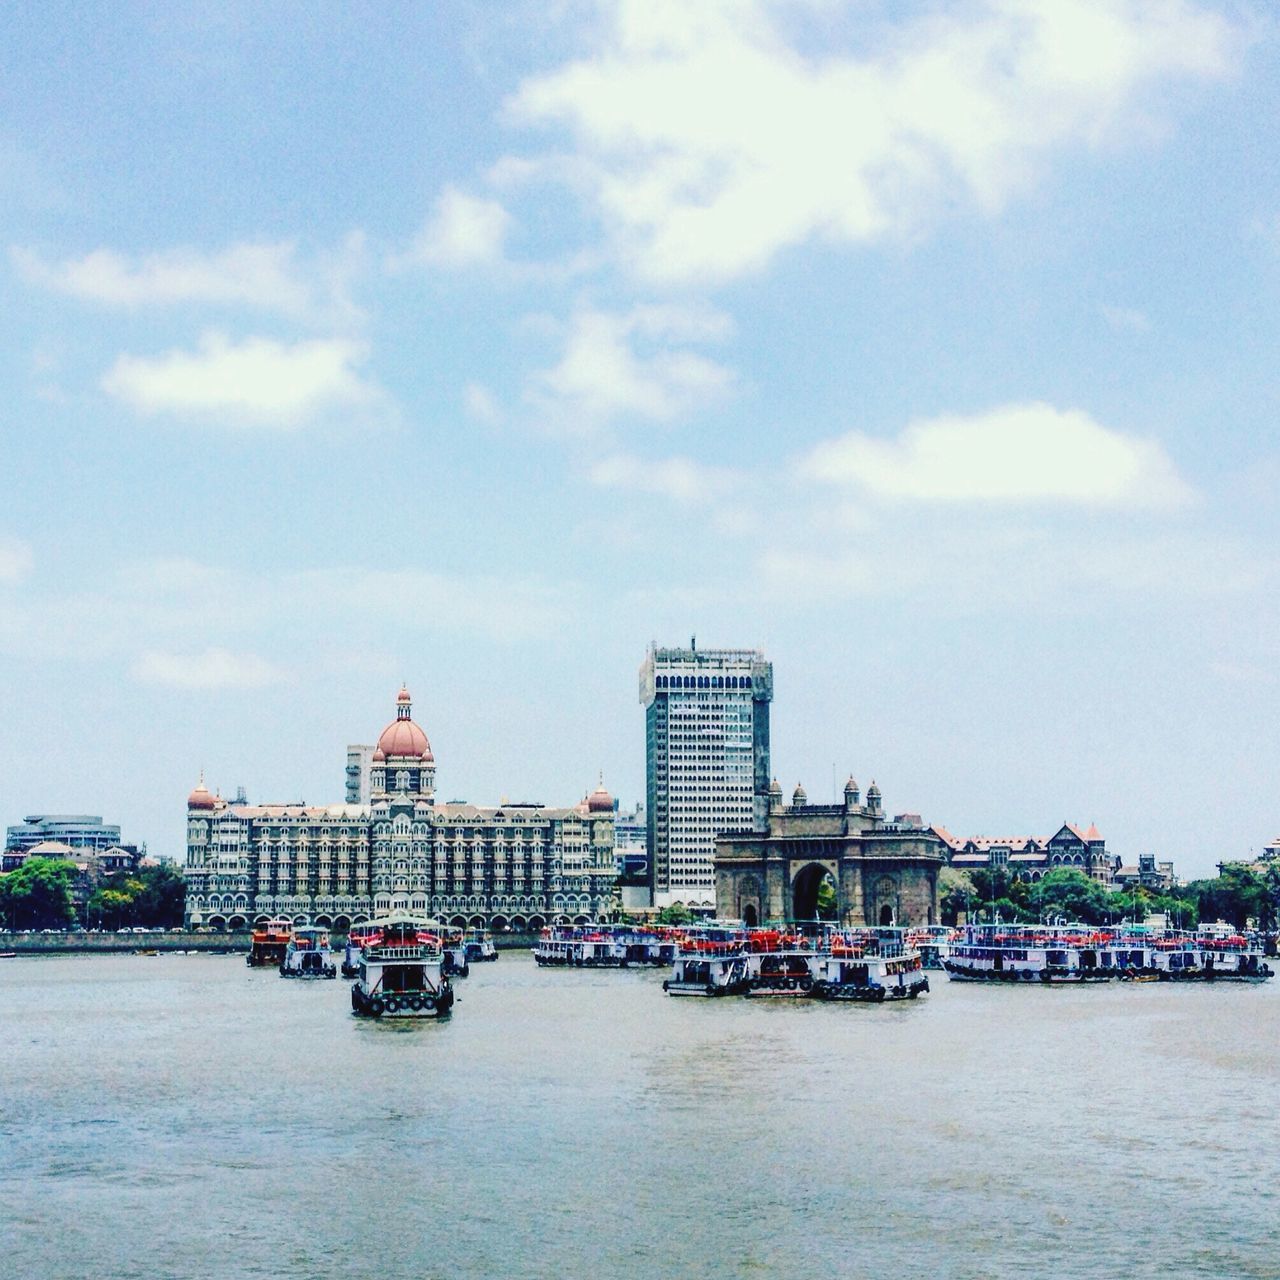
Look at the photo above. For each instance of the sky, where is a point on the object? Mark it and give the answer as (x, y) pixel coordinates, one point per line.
(929, 347)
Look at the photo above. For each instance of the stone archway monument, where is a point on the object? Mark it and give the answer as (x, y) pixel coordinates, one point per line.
(884, 871)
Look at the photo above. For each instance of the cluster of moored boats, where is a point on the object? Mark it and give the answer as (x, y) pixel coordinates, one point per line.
(1077, 953)
(401, 966)
(869, 965)
(873, 965)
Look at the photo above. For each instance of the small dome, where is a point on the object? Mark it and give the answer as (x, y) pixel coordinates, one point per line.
(600, 801)
(851, 787)
(872, 790)
(775, 788)
(200, 797)
(798, 796)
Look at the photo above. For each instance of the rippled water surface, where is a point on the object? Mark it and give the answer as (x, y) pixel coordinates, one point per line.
(186, 1116)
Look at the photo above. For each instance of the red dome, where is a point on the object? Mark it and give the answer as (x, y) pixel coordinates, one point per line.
(200, 797)
(600, 801)
(402, 737)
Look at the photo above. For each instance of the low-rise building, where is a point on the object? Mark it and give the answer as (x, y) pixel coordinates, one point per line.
(1030, 858)
(517, 866)
(1147, 874)
(75, 830)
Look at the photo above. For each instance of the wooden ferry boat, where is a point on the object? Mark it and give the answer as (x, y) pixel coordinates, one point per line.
(932, 942)
(869, 966)
(479, 946)
(453, 947)
(578, 946)
(358, 937)
(710, 968)
(307, 955)
(401, 973)
(268, 943)
(781, 973)
(1048, 954)
(1209, 955)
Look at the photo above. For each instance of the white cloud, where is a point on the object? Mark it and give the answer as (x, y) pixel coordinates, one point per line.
(680, 479)
(463, 231)
(481, 404)
(708, 142)
(1126, 319)
(15, 560)
(626, 364)
(1020, 453)
(265, 276)
(258, 381)
(211, 669)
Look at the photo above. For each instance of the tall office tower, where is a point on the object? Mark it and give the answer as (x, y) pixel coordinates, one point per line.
(707, 760)
(359, 764)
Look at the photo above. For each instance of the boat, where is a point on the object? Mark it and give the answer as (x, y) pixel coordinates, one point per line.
(869, 966)
(781, 973)
(358, 937)
(401, 973)
(453, 947)
(578, 946)
(1212, 954)
(1074, 953)
(268, 943)
(1052, 955)
(307, 955)
(708, 968)
(932, 942)
(479, 946)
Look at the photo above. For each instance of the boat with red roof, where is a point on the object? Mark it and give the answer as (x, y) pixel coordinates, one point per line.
(401, 972)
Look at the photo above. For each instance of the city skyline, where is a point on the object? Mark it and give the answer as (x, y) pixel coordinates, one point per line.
(932, 354)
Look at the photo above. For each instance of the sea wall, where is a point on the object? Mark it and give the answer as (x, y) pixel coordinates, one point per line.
(173, 940)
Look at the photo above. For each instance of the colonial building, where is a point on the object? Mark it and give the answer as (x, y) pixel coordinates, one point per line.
(509, 866)
(1148, 874)
(1029, 858)
(882, 872)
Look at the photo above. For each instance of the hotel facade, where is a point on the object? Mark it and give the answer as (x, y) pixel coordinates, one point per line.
(510, 866)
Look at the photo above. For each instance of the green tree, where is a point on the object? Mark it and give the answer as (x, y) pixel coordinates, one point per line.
(676, 914)
(37, 895)
(826, 905)
(162, 899)
(1071, 895)
(1236, 895)
(150, 896)
(998, 892)
(956, 893)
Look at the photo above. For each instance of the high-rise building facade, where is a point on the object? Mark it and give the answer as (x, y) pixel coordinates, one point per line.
(359, 771)
(706, 761)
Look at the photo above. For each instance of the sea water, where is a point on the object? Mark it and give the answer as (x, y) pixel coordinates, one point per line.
(185, 1116)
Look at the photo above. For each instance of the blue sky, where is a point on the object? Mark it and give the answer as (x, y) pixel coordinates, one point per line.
(930, 347)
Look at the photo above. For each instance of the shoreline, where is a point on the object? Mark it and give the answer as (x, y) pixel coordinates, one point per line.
(174, 940)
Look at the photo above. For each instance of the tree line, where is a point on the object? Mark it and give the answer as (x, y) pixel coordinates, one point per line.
(1237, 896)
(40, 894)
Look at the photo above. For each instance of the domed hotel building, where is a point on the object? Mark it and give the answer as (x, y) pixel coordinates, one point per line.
(517, 866)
